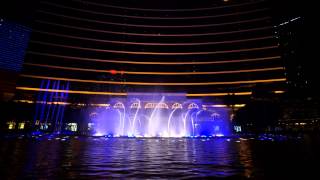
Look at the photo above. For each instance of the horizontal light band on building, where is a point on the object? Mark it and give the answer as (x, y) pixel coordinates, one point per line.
(154, 53)
(153, 26)
(155, 73)
(150, 17)
(154, 63)
(154, 44)
(109, 105)
(59, 103)
(219, 94)
(154, 83)
(155, 35)
(214, 105)
(223, 105)
(71, 91)
(24, 101)
(279, 92)
(123, 94)
(174, 10)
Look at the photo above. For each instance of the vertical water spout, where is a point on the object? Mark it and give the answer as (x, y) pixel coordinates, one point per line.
(185, 123)
(192, 123)
(123, 120)
(135, 117)
(169, 120)
(153, 125)
(120, 122)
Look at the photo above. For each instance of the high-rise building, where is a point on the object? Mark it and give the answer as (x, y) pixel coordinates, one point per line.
(102, 48)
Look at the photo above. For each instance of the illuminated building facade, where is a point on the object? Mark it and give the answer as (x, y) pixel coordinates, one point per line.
(86, 53)
(103, 48)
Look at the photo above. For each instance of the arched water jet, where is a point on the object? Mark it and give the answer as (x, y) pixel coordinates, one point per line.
(120, 122)
(123, 120)
(135, 116)
(192, 123)
(153, 125)
(185, 122)
(169, 120)
(159, 115)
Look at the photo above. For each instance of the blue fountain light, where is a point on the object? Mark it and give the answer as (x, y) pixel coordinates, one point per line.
(159, 115)
(50, 106)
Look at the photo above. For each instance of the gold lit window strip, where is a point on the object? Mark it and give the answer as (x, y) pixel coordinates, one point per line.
(151, 17)
(153, 44)
(125, 94)
(134, 105)
(122, 94)
(154, 83)
(71, 91)
(153, 26)
(154, 35)
(155, 53)
(168, 10)
(153, 62)
(155, 73)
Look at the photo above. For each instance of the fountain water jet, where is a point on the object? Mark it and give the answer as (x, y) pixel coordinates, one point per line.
(161, 115)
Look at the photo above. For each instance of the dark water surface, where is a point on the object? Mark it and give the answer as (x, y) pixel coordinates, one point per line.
(158, 158)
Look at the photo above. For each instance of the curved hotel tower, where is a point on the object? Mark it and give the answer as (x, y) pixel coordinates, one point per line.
(97, 52)
(111, 48)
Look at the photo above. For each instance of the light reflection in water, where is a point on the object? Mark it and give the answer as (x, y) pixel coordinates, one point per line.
(152, 157)
(245, 158)
(49, 157)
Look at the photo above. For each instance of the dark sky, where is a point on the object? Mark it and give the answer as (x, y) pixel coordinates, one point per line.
(18, 11)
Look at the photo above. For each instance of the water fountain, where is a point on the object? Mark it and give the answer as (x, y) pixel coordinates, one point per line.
(159, 115)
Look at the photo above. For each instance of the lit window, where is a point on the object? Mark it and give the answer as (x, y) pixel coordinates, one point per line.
(11, 125)
(21, 125)
(44, 126)
(71, 127)
(237, 128)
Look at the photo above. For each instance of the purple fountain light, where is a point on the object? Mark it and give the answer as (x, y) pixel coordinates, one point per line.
(160, 115)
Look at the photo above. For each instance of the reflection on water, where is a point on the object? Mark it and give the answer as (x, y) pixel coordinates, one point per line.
(90, 157)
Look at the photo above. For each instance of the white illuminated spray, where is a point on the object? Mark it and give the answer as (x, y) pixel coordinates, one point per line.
(152, 122)
(169, 120)
(192, 123)
(185, 123)
(160, 119)
(123, 120)
(122, 116)
(196, 119)
(198, 112)
(120, 121)
(135, 117)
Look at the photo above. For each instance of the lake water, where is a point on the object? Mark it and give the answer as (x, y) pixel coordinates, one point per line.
(50, 157)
